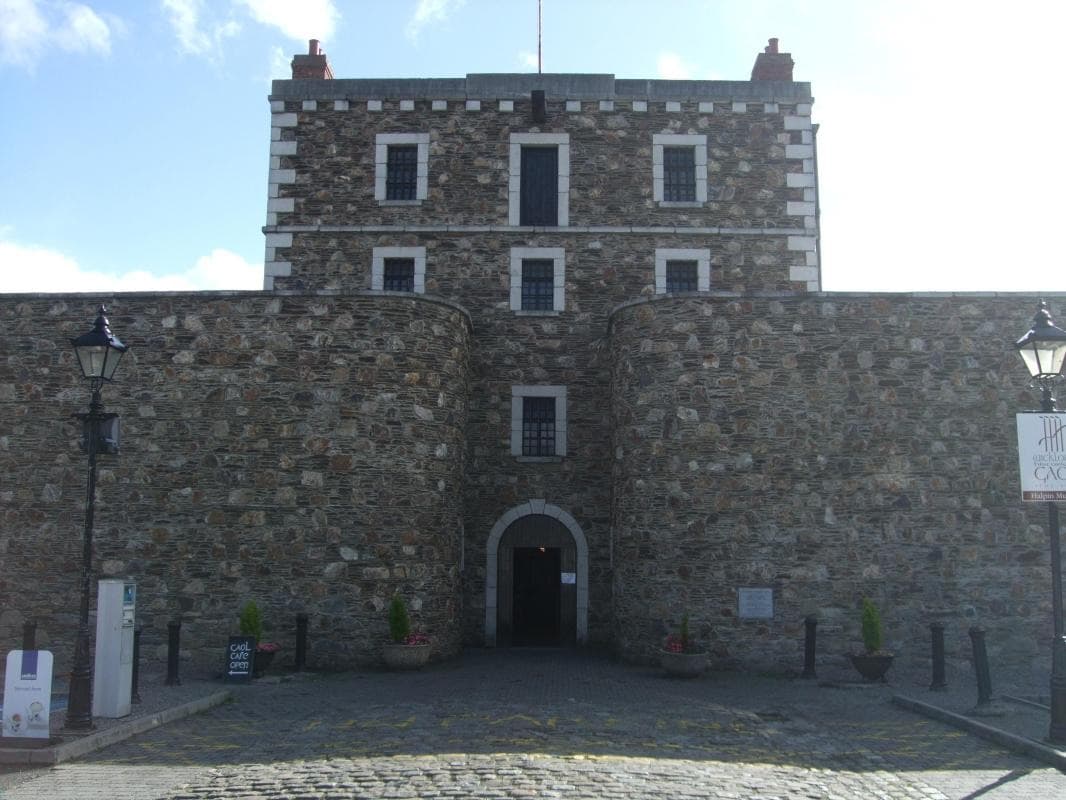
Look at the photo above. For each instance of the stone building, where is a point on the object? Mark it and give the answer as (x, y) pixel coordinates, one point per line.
(550, 356)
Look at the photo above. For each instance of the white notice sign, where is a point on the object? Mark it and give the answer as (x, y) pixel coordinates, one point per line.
(1042, 456)
(755, 603)
(569, 577)
(28, 693)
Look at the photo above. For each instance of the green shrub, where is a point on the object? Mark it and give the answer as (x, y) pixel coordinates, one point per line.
(252, 621)
(871, 626)
(399, 622)
(684, 633)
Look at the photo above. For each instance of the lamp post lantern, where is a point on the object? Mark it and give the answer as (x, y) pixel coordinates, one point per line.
(1043, 349)
(98, 352)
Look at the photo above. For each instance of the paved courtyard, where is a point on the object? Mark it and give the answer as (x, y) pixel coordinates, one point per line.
(538, 723)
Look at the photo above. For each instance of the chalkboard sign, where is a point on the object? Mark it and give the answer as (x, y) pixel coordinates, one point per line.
(239, 657)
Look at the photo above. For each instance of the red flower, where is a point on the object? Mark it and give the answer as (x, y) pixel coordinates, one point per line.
(416, 638)
(267, 647)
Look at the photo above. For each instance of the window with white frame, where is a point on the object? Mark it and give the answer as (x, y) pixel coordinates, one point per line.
(538, 278)
(394, 269)
(682, 270)
(401, 168)
(538, 188)
(679, 169)
(538, 421)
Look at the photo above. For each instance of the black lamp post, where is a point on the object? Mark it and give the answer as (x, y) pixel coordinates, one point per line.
(1043, 349)
(99, 352)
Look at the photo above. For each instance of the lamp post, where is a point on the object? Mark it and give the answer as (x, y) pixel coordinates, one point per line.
(1043, 349)
(99, 352)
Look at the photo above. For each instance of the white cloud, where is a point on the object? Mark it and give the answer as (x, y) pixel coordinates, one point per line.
(527, 59)
(671, 67)
(197, 37)
(32, 268)
(309, 19)
(430, 11)
(29, 28)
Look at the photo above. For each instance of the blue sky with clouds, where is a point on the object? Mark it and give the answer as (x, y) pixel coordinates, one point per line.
(134, 134)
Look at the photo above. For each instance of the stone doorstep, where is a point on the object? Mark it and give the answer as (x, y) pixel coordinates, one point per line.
(1012, 741)
(79, 746)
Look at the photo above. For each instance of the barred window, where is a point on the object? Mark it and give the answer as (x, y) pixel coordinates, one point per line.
(538, 426)
(679, 174)
(401, 175)
(682, 276)
(538, 284)
(399, 275)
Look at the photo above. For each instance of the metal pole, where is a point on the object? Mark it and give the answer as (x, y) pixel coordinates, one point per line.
(810, 625)
(1057, 727)
(939, 682)
(980, 665)
(29, 635)
(135, 694)
(301, 642)
(173, 651)
(79, 709)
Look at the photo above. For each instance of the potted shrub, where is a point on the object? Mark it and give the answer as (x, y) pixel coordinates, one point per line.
(405, 650)
(680, 656)
(874, 663)
(251, 622)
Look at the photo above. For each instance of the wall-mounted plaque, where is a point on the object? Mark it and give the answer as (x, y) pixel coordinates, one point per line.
(755, 603)
(569, 577)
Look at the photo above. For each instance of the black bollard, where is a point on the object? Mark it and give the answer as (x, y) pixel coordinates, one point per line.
(173, 648)
(939, 683)
(809, 646)
(980, 665)
(301, 642)
(29, 635)
(135, 695)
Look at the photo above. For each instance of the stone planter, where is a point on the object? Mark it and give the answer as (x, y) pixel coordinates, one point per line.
(683, 665)
(872, 666)
(406, 656)
(261, 662)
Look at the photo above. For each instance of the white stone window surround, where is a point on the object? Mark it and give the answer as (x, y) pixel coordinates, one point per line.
(558, 257)
(514, 184)
(698, 143)
(702, 257)
(518, 393)
(377, 266)
(381, 166)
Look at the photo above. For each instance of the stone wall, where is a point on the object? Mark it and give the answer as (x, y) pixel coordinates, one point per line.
(305, 451)
(829, 448)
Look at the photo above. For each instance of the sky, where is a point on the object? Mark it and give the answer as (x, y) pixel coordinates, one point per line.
(134, 133)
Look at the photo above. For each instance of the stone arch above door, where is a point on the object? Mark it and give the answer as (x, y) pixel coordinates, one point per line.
(492, 564)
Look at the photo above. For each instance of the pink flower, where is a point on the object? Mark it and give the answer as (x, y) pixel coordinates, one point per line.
(267, 647)
(416, 638)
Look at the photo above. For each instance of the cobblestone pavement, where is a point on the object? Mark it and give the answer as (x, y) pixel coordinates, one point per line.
(525, 724)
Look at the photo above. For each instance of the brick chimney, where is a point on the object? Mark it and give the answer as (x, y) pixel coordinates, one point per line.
(313, 66)
(771, 65)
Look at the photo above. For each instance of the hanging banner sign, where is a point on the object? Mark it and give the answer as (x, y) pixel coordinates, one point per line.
(28, 693)
(1042, 456)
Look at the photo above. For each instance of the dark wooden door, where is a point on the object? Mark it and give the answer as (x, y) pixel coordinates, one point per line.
(539, 186)
(533, 532)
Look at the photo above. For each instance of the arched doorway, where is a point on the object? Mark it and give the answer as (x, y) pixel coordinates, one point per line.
(536, 578)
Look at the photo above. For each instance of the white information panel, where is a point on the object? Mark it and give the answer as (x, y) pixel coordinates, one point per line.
(753, 603)
(1042, 456)
(28, 693)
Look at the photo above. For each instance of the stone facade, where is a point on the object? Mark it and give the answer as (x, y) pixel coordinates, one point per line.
(323, 444)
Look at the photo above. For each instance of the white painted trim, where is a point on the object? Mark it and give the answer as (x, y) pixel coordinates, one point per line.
(557, 255)
(381, 162)
(492, 554)
(698, 142)
(514, 170)
(702, 257)
(377, 266)
(520, 392)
